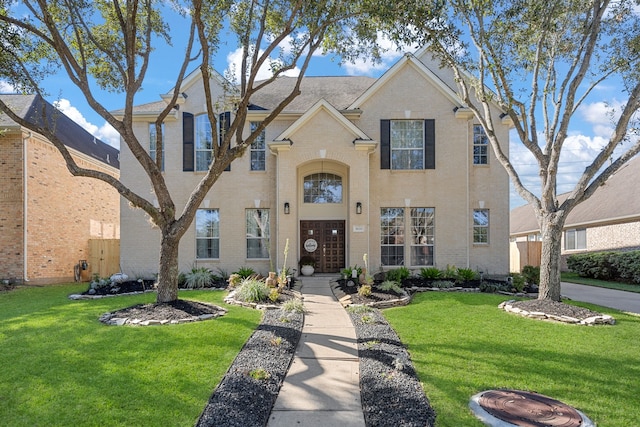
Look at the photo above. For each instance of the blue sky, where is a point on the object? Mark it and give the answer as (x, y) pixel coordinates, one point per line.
(592, 123)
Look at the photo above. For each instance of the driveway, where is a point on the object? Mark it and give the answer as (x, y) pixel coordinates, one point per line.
(625, 301)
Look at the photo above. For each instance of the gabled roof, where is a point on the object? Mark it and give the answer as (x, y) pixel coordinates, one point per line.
(323, 105)
(408, 60)
(30, 108)
(337, 91)
(618, 200)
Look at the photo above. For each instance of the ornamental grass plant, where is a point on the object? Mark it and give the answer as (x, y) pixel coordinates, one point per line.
(62, 367)
(462, 344)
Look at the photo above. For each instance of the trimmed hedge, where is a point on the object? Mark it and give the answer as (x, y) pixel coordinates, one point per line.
(623, 266)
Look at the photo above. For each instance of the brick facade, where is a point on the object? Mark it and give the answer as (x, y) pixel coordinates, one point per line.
(63, 211)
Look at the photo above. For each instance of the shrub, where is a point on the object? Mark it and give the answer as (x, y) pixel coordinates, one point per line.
(348, 272)
(466, 275)
(293, 306)
(364, 291)
(450, 273)
(398, 274)
(390, 285)
(531, 274)
(198, 278)
(274, 294)
(443, 284)
(234, 280)
(627, 265)
(359, 309)
(252, 290)
(430, 273)
(245, 272)
(518, 280)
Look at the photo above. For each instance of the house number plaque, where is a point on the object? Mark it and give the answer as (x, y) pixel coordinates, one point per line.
(310, 245)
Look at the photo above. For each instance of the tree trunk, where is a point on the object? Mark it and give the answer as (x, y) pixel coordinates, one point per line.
(551, 230)
(168, 272)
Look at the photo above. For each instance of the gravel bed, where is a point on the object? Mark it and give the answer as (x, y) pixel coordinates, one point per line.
(240, 400)
(391, 392)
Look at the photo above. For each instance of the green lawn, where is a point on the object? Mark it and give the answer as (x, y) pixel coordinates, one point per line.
(574, 278)
(462, 344)
(61, 367)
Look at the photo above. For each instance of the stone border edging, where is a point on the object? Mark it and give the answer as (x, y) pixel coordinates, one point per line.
(230, 299)
(111, 319)
(604, 319)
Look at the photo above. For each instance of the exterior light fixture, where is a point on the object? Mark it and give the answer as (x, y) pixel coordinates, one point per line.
(358, 208)
(286, 208)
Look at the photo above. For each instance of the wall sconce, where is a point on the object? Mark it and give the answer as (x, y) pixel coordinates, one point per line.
(358, 208)
(286, 208)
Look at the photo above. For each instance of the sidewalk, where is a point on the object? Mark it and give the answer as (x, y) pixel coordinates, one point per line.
(322, 386)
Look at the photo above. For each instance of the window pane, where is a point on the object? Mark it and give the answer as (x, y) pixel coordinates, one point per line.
(422, 236)
(203, 142)
(322, 188)
(153, 143)
(480, 145)
(570, 239)
(581, 239)
(257, 222)
(207, 233)
(407, 144)
(392, 236)
(480, 226)
(258, 150)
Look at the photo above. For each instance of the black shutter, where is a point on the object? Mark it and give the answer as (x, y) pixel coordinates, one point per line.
(385, 144)
(224, 122)
(430, 144)
(187, 142)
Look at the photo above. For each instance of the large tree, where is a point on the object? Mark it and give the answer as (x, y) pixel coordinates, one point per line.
(539, 61)
(106, 45)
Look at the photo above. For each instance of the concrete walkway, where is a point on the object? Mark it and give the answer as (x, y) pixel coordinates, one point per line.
(322, 387)
(621, 300)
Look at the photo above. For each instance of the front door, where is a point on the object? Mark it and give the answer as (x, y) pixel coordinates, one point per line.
(324, 241)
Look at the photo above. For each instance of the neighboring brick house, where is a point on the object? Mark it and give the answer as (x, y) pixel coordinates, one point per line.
(393, 167)
(47, 216)
(608, 221)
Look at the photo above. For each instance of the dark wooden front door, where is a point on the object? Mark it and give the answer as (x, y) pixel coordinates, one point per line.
(329, 237)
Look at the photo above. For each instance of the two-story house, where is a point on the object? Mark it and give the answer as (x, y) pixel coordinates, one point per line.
(393, 167)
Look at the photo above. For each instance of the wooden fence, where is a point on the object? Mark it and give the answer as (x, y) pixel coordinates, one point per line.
(524, 253)
(104, 257)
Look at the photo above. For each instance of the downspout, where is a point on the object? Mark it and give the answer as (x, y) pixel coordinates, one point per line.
(25, 176)
(468, 214)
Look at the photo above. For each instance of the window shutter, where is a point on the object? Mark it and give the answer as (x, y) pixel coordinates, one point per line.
(188, 141)
(385, 144)
(224, 120)
(430, 144)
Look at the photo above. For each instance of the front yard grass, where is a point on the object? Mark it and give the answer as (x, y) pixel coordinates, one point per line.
(62, 367)
(461, 344)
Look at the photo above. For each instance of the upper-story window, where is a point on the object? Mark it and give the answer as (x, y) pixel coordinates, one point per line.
(203, 142)
(480, 146)
(481, 226)
(153, 143)
(407, 144)
(258, 150)
(322, 188)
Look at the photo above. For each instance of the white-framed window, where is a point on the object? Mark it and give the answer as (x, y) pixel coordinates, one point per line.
(203, 142)
(480, 146)
(258, 233)
(258, 150)
(407, 144)
(153, 143)
(392, 236)
(395, 224)
(481, 226)
(208, 234)
(575, 239)
(322, 188)
(422, 236)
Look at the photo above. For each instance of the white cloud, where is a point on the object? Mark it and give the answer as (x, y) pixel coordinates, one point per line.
(602, 116)
(234, 61)
(6, 87)
(105, 133)
(390, 52)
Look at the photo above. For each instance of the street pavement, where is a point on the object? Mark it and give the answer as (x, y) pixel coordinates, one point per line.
(621, 300)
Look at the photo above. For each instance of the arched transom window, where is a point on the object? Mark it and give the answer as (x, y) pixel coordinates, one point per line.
(322, 188)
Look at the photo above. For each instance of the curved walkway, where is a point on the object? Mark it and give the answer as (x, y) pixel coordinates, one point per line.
(322, 386)
(621, 300)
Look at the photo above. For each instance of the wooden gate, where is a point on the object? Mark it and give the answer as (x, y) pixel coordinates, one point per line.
(328, 249)
(104, 257)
